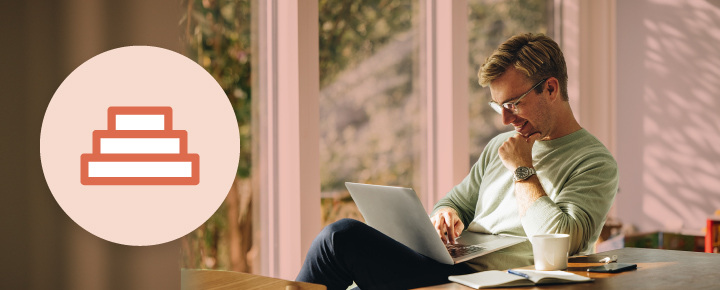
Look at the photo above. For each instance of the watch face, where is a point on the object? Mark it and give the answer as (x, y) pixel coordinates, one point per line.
(522, 173)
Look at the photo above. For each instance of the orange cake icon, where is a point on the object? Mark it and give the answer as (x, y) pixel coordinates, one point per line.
(140, 148)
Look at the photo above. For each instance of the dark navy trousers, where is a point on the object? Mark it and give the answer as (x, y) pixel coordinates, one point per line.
(349, 250)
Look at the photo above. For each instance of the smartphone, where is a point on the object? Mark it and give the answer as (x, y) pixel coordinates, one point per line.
(612, 268)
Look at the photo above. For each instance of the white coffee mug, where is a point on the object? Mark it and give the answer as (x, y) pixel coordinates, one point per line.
(550, 251)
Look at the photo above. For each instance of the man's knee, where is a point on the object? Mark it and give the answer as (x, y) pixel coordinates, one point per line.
(340, 231)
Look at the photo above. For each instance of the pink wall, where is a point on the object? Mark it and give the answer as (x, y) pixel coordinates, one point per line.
(668, 113)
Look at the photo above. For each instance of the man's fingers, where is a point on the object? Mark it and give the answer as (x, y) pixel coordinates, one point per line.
(441, 233)
(532, 138)
(459, 228)
(448, 225)
(450, 221)
(439, 223)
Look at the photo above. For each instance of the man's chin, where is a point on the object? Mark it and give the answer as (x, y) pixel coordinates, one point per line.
(527, 135)
(527, 130)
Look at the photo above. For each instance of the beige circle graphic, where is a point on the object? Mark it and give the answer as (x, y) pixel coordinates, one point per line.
(139, 145)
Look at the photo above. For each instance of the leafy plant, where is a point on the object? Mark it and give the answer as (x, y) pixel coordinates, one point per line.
(217, 35)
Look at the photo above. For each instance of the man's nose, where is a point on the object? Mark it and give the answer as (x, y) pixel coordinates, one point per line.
(507, 116)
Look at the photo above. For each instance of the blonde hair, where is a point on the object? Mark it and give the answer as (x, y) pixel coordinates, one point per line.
(535, 55)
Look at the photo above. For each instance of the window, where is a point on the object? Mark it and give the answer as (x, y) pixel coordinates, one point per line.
(217, 35)
(375, 108)
(370, 118)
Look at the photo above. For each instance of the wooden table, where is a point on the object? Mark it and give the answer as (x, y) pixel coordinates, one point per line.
(221, 280)
(657, 269)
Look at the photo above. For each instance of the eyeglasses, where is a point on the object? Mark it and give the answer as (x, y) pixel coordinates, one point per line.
(512, 106)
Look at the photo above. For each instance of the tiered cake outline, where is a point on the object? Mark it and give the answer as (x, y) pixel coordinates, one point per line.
(134, 167)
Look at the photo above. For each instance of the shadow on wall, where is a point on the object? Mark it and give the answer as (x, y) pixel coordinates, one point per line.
(669, 114)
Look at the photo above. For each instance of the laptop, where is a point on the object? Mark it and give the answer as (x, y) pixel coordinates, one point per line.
(398, 213)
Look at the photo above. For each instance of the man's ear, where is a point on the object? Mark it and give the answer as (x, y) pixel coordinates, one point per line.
(552, 88)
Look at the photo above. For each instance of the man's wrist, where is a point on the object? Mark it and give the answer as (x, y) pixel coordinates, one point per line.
(441, 208)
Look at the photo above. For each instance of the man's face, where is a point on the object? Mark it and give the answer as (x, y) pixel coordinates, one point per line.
(532, 111)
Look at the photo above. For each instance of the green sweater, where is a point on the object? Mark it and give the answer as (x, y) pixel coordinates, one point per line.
(577, 172)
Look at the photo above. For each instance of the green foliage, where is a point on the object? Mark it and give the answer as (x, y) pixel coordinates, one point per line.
(218, 38)
(352, 30)
(217, 35)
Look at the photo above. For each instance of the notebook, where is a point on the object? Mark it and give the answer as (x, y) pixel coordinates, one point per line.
(497, 279)
(398, 213)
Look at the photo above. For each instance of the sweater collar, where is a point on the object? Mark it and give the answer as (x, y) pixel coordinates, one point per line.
(564, 140)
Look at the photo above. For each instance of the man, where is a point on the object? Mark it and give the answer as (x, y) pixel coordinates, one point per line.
(547, 176)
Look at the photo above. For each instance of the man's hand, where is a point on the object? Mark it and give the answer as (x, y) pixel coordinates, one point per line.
(517, 151)
(447, 222)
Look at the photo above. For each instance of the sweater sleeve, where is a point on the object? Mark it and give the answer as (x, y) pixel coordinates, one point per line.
(580, 207)
(464, 196)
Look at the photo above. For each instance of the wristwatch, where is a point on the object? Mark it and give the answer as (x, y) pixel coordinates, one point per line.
(522, 173)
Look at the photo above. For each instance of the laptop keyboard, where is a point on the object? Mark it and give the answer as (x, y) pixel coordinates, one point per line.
(462, 250)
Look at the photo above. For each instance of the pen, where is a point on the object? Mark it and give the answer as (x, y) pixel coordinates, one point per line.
(511, 271)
